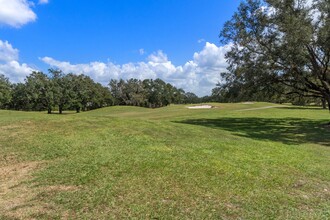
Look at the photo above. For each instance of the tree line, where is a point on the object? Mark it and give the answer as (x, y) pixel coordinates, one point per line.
(148, 93)
(59, 91)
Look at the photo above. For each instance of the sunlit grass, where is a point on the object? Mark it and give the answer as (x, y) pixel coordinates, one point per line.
(174, 162)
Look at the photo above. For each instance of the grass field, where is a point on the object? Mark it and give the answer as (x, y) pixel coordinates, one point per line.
(169, 163)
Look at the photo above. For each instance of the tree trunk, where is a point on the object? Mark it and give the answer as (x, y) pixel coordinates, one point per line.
(324, 104)
(78, 109)
(327, 99)
(49, 110)
(60, 109)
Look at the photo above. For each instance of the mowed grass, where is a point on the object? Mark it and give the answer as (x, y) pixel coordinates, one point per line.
(170, 163)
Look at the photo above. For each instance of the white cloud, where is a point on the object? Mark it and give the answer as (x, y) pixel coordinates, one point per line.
(201, 40)
(158, 57)
(16, 13)
(7, 52)
(43, 2)
(142, 51)
(15, 71)
(212, 56)
(198, 75)
(9, 65)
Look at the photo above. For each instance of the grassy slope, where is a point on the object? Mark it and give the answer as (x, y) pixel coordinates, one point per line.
(176, 163)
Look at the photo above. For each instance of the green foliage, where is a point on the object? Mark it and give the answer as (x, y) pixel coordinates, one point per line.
(191, 98)
(279, 46)
(41, 91)
(148, 93)
(57, 90)
(79, 92)
(5, 92)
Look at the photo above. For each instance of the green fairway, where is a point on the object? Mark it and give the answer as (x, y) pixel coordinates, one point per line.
(236, 161)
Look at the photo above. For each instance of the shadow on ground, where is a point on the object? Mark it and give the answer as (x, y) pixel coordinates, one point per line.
(287, 130)
(303, 108)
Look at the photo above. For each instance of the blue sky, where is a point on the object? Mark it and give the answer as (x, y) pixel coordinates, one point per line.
(176, 40)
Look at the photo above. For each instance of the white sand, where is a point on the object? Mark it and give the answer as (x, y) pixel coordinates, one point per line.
(200, 107)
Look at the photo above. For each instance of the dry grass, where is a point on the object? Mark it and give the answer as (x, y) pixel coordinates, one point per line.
(19, 196)
(16, 194)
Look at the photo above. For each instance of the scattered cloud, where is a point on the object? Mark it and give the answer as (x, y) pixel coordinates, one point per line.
(212, 56)
(198, 75)
(142, 51)
(158, 57)
(9, 64)
(16, 13)
(7, 52)
(15, 71)
(201, 40)
(41, 2)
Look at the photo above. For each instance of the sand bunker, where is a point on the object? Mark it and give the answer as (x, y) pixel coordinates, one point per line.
(200, 107)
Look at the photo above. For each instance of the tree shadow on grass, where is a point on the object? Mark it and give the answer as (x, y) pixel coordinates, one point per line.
(313, 108)
(63, 113)
(287, 130)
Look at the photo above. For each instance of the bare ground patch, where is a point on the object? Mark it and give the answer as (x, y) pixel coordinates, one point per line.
(18, 196)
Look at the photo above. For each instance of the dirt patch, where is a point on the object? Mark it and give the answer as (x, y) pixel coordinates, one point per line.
(19, 197)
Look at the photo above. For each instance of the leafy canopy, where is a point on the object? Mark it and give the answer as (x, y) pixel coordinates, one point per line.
(280, 44)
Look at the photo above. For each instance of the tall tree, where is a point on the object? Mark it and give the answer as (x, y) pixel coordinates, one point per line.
(283, 42)
(62, 89)
(5, 92)
(117, 88)
(19, 99)
(134, 92)
(39, 90)
(191, 98)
